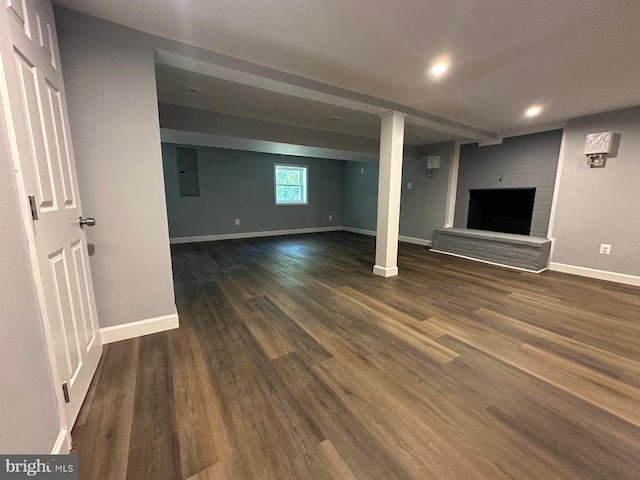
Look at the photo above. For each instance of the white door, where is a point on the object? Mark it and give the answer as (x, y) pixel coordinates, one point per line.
(34, 104)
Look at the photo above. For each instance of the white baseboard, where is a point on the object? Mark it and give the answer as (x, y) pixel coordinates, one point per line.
(593, 273)
(295, 231)
(488, 262)
(401, 238)
(361, 231)
(385, 271)
(415, 240)
(268, 233)
(63, 443)
(139, 328)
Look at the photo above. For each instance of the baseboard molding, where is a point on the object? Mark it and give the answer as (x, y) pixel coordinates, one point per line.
(415, 240)
(598, 274)
(62, 446)
(385, 271)
(267, 233)
(139, 328)
(401, 238)
(488, 262)
(361, 231)
(295, 231)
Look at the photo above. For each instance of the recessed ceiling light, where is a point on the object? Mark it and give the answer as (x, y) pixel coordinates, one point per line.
(193, 90)
(533, 111)
(335, 118)
(439, 68)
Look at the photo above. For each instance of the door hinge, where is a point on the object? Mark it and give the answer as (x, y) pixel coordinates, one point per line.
(32, 205)
(65, 392)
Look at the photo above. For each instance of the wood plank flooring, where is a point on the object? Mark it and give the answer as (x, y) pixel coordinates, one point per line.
(294, 362)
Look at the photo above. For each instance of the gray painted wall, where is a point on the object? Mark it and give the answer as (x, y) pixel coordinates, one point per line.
(600, 205)
(29, 415)
(518, 162)
(421, 209)
(238, 184)
(360, 195)
(110, 81)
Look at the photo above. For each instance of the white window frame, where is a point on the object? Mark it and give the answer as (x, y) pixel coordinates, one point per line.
(304, 175)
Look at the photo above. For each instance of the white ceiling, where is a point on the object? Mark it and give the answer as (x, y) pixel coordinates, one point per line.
(574, 57)
(237, 99)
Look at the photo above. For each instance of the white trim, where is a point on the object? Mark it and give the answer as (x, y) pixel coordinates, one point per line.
(452, 187)
(593, 273)
(304, 184)
(401, 238)
(415, 240)
(520, 269)
(392, 112)
(361, 231)
(268, 233)
(62, 446)
(385, 271)
(273, 233)
(139, 328)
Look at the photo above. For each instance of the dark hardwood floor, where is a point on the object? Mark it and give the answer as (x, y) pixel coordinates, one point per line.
(294, 362)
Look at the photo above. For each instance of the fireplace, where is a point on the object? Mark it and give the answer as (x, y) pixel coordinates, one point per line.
(506, 210)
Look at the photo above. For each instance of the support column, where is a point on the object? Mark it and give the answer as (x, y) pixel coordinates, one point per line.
(452, 187)
(389, 185)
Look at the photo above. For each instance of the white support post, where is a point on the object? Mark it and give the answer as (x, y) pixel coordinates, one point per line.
(389, 187)
(452, 187)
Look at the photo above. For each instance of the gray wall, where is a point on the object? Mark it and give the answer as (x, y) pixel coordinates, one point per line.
(518, 162)
(110, 81)
(360, 195)
(238, 184)
(29, 415)
(600, 205)
(421, 209)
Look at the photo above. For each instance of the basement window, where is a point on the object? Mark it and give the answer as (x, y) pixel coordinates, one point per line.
(291, 185)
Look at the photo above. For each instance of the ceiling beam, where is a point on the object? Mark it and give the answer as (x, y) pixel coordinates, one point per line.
(247, 73)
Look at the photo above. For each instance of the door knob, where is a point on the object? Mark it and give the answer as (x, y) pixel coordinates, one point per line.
(89, 222)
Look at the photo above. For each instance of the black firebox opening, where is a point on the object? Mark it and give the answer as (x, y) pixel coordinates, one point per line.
(507, 210)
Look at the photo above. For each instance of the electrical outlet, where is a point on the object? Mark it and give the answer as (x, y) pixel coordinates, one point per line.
(237, 221)
(409, 185)
(362, 170)
(605, 249)
(330, 217)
